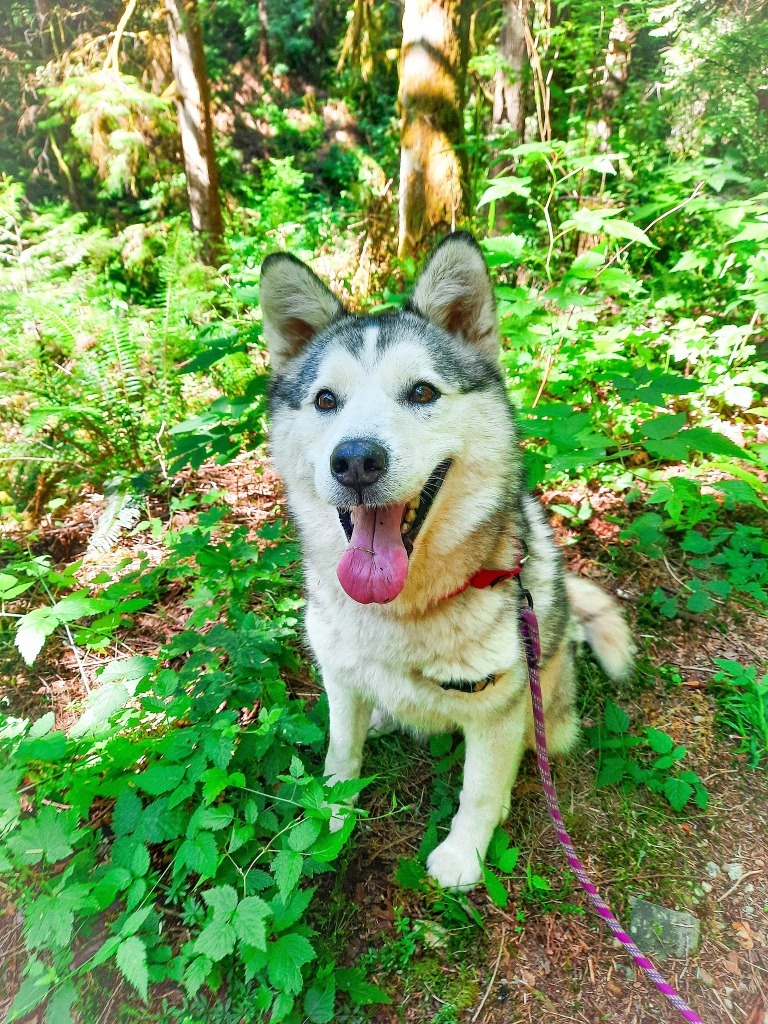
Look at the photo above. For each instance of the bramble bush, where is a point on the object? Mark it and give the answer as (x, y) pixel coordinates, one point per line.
(179, 830)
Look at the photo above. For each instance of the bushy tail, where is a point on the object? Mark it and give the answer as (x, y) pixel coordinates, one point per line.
(605, 629)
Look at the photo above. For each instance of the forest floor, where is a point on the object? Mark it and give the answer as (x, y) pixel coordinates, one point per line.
(545, 956)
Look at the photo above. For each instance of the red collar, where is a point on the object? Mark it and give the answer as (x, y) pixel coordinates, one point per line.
(485, 578)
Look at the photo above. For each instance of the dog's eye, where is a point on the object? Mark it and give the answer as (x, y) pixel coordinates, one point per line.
(325, 401)
(423, 394)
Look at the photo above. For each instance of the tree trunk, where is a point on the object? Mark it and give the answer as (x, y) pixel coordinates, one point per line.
(509, 81)
(263, 55)
(616, 72)
(43, 15)
(193, 106)
(431, 102)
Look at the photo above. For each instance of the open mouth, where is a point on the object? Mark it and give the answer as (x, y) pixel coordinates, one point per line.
(374, 568)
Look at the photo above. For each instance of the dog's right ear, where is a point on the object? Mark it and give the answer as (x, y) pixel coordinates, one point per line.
(296, 306)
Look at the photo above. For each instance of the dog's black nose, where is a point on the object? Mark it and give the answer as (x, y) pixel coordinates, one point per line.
(359, 463)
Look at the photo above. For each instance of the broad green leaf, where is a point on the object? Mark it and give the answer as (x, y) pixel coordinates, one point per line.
(42, 726)
(352, 981)
(48, 923)
(79, 606)
(304, 834)
(319, 1002)
(678, 793)
(738, 492)
(705, 440)
(222, 899)
(659, 741)
(700, 601)
(58, 1010)
(289, 910)
(32, 992)
(498, 894)
(615, 719)
(695, 544)
(611, 771)
(126, 813)
(249, 921)
(32, 631)
(286, 868)
(508, 860)
(49, 835)
(201, 854)
(287, 956)
(160, 778)
(503, 250)
(327, 848)
(101, 704)
(663, 426)
(586, 265)
(216, 940)
(588, 221)
(701, 799)
(128, 670)
(675, 449)
(10, 587)
(196, 974)
(626, 229)
(500, 188)
(132, 963)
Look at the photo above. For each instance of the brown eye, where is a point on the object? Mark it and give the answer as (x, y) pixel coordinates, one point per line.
(325, 401)
(423, 394)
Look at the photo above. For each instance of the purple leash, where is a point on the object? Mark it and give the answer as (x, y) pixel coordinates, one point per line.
(529, 628)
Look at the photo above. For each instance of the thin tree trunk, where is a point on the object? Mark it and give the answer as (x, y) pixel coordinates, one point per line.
(431, 91)
(43, 14)
(263, 55)
(193, 106)
(509, 81)
(616, 72)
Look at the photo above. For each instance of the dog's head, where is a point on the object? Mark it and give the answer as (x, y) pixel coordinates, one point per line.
(375, 415)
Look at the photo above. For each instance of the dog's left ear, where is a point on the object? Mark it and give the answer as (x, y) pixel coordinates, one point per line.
(454, 291)
(296, 306)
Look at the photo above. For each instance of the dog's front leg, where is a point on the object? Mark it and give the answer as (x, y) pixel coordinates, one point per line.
(493, 756)
(349, 715)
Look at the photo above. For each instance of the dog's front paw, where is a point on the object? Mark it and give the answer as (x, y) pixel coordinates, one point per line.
(455, 865)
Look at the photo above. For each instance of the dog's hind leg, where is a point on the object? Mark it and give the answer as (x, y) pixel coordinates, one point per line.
(349, 715)
(558, 687)
(381, 724)
(493, 757)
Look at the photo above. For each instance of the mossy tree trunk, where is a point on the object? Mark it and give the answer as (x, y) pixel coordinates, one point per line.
(193, 106)
(432, 71)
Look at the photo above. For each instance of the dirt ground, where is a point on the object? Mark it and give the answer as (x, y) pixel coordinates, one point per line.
(539, 959)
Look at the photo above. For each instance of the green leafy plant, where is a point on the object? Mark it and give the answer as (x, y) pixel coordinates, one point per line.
(198, 758)
(650, 759)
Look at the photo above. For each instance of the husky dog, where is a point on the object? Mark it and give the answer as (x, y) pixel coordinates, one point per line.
(397, 445)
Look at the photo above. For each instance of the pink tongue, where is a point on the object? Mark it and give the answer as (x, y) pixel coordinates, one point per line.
(374, 567)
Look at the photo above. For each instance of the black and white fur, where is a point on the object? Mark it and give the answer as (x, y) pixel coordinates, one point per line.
(384, 663)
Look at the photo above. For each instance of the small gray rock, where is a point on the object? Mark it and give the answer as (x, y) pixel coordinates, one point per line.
(712, 869)
(734, 870)
(706, 886)
(705, 977)
(663, 932)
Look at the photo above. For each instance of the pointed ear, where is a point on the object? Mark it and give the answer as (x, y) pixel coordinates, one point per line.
(296, 306)
(454, 291)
